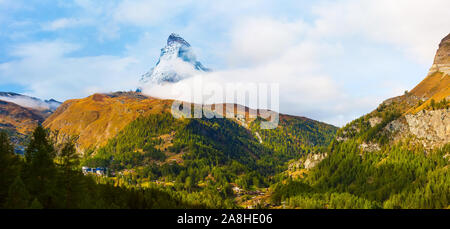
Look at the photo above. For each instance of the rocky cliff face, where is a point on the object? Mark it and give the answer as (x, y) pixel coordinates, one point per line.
(429, 124)
(311, 161)
(442, 58)
(431, 127)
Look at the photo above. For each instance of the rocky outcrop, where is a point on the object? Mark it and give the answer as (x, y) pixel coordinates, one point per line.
(314, 159)
(396, 126)
(397, 129)
(431, 127)
(447, 156)
(311, 161)
(375, 121)
(369, 147)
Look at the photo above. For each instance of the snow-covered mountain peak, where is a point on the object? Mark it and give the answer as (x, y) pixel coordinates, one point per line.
(175, 38)
(176, 62)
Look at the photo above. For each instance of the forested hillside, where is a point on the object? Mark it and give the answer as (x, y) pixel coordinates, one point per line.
(49, 176)
(200, 154)
(398, 176)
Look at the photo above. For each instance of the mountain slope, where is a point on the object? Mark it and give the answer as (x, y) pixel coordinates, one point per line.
(100, 117)
(19, 119)
(20, 114)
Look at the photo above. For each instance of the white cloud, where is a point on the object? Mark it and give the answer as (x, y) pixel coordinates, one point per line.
(43, 50)
(147, 12)
(414, 26)
(63, 23)
(46, 71)
(258, 40)
(26, 101)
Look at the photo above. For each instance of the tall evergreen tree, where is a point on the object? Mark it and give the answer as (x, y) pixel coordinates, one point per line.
(67, 157)
(8, 166)
(71, 179)
(40, 170)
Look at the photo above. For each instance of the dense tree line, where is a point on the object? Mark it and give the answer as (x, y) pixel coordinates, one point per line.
(401, 176)
(48, 176)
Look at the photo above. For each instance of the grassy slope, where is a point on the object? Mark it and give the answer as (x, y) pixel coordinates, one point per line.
(98, 118)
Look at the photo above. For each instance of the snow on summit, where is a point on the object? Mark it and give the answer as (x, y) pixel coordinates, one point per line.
(176, 62)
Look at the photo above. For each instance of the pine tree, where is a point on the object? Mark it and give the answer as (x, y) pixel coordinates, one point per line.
(68, 160)
(5, 145)
(8, 166)
(40, 170)
(19, 196)
(40, 152)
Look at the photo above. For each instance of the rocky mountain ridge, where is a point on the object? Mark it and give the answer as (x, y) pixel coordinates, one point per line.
(442, 59)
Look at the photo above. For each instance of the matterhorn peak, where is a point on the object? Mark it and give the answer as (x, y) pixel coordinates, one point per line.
(175, 38)
(176, 62)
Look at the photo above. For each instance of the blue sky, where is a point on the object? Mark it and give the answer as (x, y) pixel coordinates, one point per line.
(335, 60)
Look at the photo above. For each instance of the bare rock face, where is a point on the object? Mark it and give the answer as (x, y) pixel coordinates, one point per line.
(311, 161)
(295, 165)
(314, 159)
(375, 121)
(447, 156)
(396, 126)
(432, 127)
(369, 147)
(398, 129)
(442, 58)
